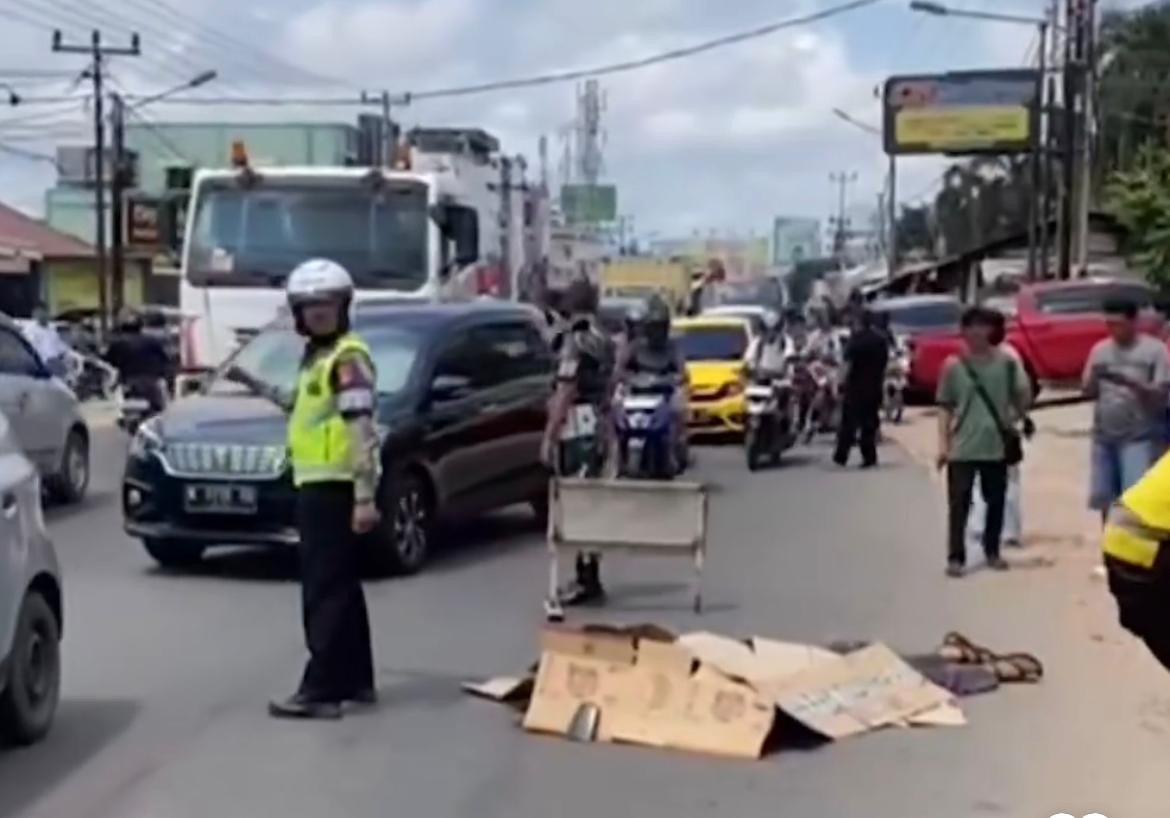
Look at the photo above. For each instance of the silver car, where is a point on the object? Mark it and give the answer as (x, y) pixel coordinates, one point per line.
(30, 601)
(45, 416)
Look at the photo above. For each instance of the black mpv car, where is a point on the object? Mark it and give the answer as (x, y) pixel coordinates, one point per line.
(463, 392)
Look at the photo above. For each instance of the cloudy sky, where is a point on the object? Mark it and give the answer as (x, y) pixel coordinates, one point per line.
(724, 140)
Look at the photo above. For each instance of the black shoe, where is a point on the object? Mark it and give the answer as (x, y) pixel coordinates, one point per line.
(869, 464)
(841, 462)
(998, 564)
(580, 594)
(367, 697)
(299, 707)
(955, 570)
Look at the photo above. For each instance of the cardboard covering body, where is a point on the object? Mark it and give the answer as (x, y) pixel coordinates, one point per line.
(709, 693)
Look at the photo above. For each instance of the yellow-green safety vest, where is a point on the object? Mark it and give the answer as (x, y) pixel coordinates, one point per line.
(318, 441)
(1136, 530)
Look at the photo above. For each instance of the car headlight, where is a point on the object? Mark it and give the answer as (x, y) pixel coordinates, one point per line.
(146, 440)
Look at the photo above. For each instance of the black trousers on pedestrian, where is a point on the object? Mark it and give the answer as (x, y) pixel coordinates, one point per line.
(961, 477)
(1143, 603)
(337, 626)
(859, 425)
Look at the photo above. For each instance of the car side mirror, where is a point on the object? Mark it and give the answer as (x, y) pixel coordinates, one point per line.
(449, 387)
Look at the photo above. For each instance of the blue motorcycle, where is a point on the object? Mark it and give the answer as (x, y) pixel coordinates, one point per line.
(646, 431)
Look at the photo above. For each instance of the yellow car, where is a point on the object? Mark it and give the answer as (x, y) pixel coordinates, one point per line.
(714, 348)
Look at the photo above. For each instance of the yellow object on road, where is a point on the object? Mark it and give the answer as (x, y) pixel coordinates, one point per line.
(714, 348)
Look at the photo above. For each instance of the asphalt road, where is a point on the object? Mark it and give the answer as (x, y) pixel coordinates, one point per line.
(167, 676)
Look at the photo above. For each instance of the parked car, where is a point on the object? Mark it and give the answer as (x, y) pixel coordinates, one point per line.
(913, 315)
(752, 313)
(463, 392)
(1054, 325)
(45, 417)
(714, 348)
(30, 601)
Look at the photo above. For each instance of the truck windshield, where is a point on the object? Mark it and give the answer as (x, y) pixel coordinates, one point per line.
(248, 237)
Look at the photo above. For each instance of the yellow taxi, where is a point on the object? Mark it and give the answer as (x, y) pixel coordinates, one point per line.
(714, 349)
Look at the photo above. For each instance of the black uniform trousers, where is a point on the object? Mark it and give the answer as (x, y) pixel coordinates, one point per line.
(1143, 601)
(859, 425)
(337, 626)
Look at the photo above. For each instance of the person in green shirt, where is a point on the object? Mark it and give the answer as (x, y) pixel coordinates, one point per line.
(972, 433)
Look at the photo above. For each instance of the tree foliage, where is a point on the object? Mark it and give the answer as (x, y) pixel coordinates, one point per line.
(1140, 199)
(983, 199)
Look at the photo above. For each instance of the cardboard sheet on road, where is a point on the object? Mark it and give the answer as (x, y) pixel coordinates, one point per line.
(709, 693)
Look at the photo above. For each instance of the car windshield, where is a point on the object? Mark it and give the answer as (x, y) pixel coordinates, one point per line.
(713, 343)
(920, 317)
(250, 236)
(272, 358)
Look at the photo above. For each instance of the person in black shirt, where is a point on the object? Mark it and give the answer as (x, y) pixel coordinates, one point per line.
(866, 356)
(141, 360)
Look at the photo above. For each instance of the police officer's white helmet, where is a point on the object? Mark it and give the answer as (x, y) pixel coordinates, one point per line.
(317, 280)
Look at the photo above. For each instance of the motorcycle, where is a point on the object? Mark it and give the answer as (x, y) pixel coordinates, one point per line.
(646, 431)
(772, 413)
(138, 400)
(896, 380)
(824, 408)
(89, 376)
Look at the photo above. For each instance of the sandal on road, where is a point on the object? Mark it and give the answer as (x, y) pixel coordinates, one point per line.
(961, 650)
(1017, 667)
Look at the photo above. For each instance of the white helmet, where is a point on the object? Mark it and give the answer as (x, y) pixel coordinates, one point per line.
(316, 280)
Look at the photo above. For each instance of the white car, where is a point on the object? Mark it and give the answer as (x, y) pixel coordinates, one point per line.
(30, 601)
(44, 415)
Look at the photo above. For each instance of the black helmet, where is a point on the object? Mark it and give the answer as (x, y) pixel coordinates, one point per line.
(580, 298)
(657, 321)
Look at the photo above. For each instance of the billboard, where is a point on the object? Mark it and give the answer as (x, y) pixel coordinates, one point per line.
(961, 112)
(794, 240)
(589, 204)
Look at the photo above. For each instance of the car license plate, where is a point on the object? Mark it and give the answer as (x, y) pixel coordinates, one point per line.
(219, 498)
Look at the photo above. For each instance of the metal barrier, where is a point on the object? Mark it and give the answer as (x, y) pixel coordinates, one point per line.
(652, 517)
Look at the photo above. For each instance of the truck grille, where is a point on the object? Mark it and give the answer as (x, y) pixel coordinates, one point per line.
(224, 460)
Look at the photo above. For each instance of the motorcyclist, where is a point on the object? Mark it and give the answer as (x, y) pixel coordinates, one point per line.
(141, 360)
(767, 354)
(654, 352)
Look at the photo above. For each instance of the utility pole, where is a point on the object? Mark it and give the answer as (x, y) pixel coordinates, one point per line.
(1050, 57)
(387, 101)
(97, 53)
(1073, 54)
(119, 181)
(892, 217)
(1088, 112)
(1037, 210)
(842, 180)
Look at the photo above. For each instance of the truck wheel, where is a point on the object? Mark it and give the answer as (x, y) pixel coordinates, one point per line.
(29, 701)
(173, 553)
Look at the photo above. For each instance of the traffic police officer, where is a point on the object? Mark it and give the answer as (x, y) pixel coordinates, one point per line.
(1137, 558)
(334, 451)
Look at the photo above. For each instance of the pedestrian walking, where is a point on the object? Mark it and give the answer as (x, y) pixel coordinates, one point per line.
(1127, 375)
(1013, 521)
(983, 394)
(334, 452)
(866, 355)
(579, 428)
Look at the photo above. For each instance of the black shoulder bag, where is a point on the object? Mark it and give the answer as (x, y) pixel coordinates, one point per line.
(1013, 444)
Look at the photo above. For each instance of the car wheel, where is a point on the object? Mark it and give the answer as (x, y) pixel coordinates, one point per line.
(173, 553)
(407, 525)
(30, 698)
(71, 481)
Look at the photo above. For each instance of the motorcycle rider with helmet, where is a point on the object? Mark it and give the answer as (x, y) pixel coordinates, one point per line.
(767, 355)
(577, 434)
(141, 360)
(654, 352)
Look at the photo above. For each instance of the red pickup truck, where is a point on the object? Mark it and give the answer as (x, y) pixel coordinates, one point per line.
(1053, 325)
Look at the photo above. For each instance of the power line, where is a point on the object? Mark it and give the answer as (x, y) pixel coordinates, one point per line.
(157, 133)
(557, 76)
(232, 45)
(27, 154)
(644, 62)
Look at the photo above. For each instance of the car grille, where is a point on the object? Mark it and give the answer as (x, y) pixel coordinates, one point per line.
(224, 460)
